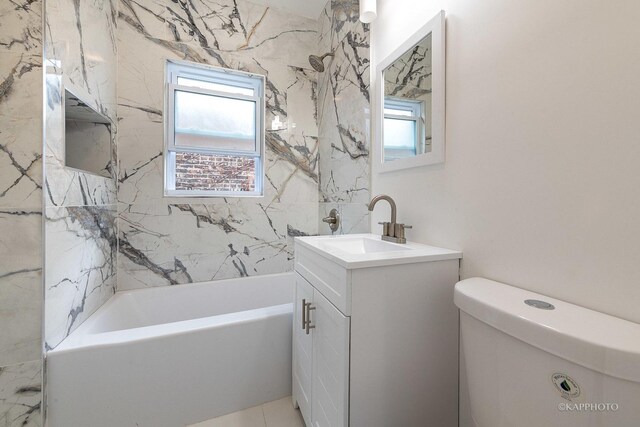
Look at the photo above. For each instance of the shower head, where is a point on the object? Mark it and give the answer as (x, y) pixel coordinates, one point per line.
(316, 61)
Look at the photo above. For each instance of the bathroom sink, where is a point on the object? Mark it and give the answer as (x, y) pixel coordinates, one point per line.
(369, 250)
(362, 245)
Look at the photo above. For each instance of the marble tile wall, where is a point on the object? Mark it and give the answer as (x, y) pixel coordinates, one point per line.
(20, 212)
(80, 208)
(324, 145)
(343, 117)
(20, 395)
(167, 241)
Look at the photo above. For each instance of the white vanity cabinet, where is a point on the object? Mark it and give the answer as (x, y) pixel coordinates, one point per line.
(321, 369)
(302, 349)
(375, 336)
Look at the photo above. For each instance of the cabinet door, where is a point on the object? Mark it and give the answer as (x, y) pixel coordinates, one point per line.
(302, 350)
(330, 393)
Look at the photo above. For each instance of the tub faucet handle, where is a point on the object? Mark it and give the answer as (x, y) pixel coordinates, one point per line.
(333, 219)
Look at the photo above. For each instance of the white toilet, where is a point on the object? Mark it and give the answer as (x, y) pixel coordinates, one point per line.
(531, 361)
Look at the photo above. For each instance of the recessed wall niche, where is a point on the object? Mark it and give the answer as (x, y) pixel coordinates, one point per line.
(87, 143)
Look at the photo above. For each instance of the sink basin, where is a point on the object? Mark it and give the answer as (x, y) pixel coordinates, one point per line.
(362, 245)
(369, 250)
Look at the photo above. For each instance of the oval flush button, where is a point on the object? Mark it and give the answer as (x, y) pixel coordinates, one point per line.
(539, 304)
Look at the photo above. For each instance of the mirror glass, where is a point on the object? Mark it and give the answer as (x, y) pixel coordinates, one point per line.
(407, 121)
(87, 144)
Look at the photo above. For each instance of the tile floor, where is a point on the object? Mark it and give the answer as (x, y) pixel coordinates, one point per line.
(279, 413)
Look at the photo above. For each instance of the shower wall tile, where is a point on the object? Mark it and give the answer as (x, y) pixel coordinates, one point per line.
(213, 29)
(81, 211)
(80, 265)
(343, 116)
(21, 118)
(80, 50)
(21, 98)
(20, 394)
(81, 40)
(65, 186)
(354, 218)
(181, 240)
(202, 242)
(20, 285)
(21, 29)
(325, 31)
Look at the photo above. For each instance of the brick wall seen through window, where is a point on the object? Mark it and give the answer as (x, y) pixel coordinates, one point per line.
(196, 171)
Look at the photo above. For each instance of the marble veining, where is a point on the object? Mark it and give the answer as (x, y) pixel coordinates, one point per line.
(234, 239)
(343, 117)
(20, 109)
(65, 186)
(20, 285)
(205, 31)
(317, 160)
(20, 391)
(21, 97)
(21, 29)
(80, 208)
(80, 265)
(168, 241)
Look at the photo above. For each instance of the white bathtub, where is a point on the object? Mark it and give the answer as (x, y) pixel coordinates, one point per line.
(175, 355)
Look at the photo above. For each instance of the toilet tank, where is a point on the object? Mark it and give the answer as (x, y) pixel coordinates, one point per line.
(527, 360)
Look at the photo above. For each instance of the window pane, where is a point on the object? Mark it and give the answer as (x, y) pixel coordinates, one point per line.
(399, 139)
(215, 173)
(399, 133)
(221, 87)
(214, 122)
(398, 112)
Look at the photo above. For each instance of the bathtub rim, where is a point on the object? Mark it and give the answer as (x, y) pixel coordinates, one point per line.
(82, 337)
(146, 333)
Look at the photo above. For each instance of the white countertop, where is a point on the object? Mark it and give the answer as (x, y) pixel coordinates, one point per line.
(369, 250)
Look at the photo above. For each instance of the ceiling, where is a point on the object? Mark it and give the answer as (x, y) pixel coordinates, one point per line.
(308, 8)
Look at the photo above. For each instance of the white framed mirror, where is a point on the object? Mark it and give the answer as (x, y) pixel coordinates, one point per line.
(410, 101)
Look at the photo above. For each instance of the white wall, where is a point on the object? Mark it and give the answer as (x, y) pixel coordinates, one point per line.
(541, 185)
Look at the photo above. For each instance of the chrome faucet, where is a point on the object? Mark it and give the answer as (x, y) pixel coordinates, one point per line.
(391, 231)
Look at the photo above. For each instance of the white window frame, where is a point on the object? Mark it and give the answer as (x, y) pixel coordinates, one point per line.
(416, 108)
(206, 73)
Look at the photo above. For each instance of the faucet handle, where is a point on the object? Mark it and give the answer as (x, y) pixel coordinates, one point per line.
(385, 228)
(333, 220)
(399, 232)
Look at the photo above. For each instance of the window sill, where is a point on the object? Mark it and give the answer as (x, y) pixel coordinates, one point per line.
(201, 194)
